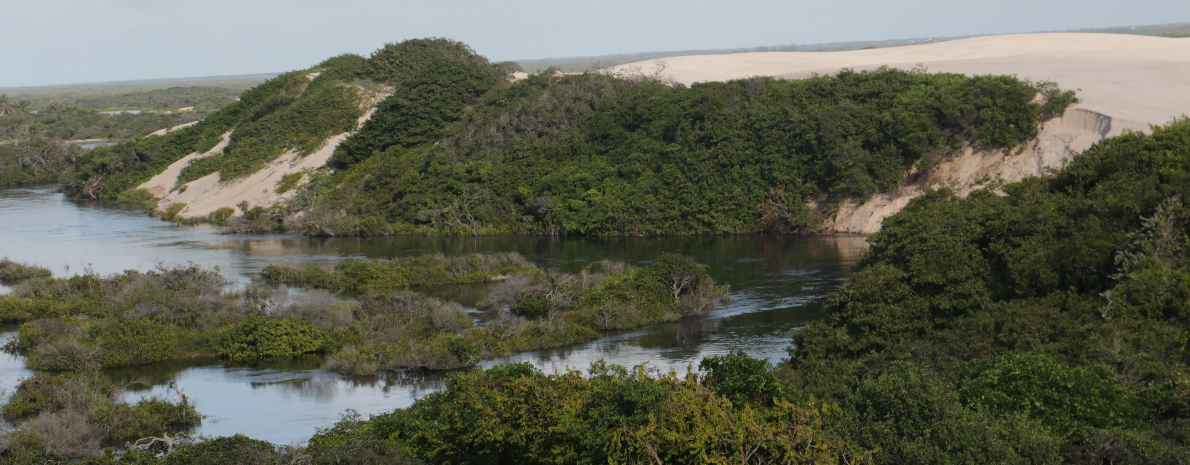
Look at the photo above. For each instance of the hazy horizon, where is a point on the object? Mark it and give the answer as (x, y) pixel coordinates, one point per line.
(132, 40)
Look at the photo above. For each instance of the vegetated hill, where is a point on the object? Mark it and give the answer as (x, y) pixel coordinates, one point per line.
(457, 149)
(296, 111)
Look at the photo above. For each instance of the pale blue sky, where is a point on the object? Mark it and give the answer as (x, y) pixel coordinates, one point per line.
(67, 41)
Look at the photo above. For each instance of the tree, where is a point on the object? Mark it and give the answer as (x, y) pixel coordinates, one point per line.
(678, 272)
(4, 108)
(23, 106)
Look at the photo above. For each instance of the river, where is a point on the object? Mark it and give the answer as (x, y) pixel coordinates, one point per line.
(777, 285)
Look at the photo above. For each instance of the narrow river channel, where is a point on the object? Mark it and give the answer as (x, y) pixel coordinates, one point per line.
(777, 285)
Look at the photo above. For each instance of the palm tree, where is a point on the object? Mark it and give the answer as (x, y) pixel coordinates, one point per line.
(4, 108)
(23, 106)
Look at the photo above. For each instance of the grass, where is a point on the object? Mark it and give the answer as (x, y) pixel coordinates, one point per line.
(12, 271)
(403, 272)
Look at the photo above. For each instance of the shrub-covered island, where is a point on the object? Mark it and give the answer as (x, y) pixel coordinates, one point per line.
(90, 321)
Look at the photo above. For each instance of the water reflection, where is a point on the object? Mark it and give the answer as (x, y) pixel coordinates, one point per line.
(777, 285)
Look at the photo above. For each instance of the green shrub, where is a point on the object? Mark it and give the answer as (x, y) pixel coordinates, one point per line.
(1037, 386)
(266, 337)
(221, 215)
(582, 154)
(136, 342)
(742, 379)
(141, 197)
(288, 182)
(238, 450)
(911, 414)
(172, 212)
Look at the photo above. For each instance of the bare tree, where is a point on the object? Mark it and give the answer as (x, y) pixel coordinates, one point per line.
(678, 282)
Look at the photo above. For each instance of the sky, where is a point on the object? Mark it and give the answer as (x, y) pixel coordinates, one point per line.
(47, 42)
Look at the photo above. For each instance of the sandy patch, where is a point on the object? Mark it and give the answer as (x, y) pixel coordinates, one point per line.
(207, 194)
(163, 182)
(162, 132)
(1060, 140)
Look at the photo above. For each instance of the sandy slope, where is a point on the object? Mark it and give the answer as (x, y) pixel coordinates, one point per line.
(163, 182)
(162, 132)
(207, 194)
(1125, 82)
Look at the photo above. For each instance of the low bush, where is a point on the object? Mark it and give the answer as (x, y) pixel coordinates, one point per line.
(221, 215)
(71, 415)
(172, 211)
(256, 337)
(140, 197)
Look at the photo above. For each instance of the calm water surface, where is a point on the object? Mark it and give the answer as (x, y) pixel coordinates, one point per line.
(777, 285)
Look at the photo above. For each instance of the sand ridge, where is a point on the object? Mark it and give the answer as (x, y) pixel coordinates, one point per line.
(1137, 78)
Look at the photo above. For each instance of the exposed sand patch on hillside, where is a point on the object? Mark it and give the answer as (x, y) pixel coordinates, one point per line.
(163, 182)
(1125, 82)
(162, 132)
(207, 194)
(1060, 140)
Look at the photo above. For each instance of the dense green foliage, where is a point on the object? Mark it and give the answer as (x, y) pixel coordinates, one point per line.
(295, 111)
(516, 414)
(35, 161)
(615, 155)
(1045, 325)
(267, 337)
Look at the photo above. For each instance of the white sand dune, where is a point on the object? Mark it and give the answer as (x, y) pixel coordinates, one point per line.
(1137, 78)
(1125, 82)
